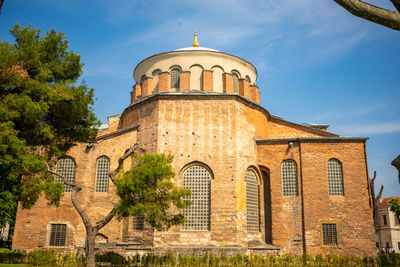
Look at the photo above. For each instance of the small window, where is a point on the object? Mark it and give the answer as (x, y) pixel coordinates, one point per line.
(235, 82)
(138, 223)
(58, 235)
(66, 167)
(377, 245)
(197, 179)
(252, 201)
(335, 177)
(329, 234)
(384, 220)
(387, 245)
(175, 79)
(289, 178)
(398, 245)
(248, 78)
(396, 219)
(102, 169)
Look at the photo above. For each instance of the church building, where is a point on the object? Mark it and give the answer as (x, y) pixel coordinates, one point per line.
(259, 183)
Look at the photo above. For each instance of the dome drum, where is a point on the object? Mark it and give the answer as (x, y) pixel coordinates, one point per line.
(195, 69)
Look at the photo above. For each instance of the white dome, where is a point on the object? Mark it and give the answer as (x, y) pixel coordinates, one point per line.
(191, 48)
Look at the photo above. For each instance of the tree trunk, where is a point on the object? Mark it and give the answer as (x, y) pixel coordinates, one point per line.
(89, 247)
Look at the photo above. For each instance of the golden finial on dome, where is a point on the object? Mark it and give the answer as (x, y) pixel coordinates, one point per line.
(195, 43)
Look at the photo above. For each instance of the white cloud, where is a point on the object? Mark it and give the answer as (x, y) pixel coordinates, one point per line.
(369, 129)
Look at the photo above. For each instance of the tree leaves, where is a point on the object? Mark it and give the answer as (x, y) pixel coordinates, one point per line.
(147, 190)
(43, 112)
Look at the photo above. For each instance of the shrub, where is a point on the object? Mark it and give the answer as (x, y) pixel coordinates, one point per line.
(42, 258)
(111, 257)
(12, 256)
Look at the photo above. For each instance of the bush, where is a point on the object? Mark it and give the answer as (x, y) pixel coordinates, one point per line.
(112, 258)
(390, 259)
(43, 258)
(12, 256)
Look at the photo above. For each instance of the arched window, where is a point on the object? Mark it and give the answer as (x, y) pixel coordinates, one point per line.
(142, 79)
(235, 82)
(175, 79)
(289, 178)
(102, 169)
(197, 179)
(335, 177)
(252, 201)
(67, 168)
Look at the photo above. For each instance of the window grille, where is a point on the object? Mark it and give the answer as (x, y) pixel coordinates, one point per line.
(289, 178)
(197, 179)
(335, 177)
(102, 169)
(66, 167)
(138, 223)
(329, 234)
(175, 79)
(252, 201)
(58, 235)
(235, 83)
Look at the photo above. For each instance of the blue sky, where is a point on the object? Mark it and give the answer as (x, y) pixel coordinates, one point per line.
(316, 62)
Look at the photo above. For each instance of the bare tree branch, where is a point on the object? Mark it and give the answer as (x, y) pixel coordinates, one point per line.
(129, 152)
(1, 4)
(384, 17)
(107, 219)
(380, 193)
(396, 164)
(396, 4)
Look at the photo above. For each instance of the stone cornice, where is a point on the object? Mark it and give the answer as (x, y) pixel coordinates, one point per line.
(118, 132)
(313, 140)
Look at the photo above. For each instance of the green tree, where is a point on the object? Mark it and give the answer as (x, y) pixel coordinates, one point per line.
(395, 207)
(145, 190)
(43, 113)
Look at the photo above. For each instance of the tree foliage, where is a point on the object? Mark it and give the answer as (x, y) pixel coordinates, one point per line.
(395, 207)
(384, 17)
(43, 113)
(147, 190)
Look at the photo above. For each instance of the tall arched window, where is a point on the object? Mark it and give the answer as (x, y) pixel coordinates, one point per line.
(235, 82)
(252, 201)
(289, 178)
(335, 177)
(175, 79)
(197, 179)
(102, 169)
(67, 168)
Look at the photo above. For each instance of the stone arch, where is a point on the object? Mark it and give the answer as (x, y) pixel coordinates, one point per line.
(195, 162)
(154, 74)
(266, 220)
(252, 182)
(196, 72)
(197, 177)
(218, 71)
